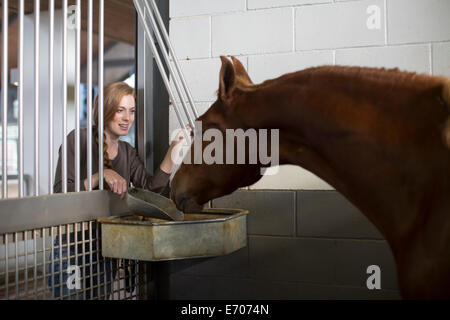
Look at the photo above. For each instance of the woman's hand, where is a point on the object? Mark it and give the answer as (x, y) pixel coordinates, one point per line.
(179, 139)
(173, 154)
(116, 183)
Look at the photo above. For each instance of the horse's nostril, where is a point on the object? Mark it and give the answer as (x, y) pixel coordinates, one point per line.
(180, 200)
(181, 204)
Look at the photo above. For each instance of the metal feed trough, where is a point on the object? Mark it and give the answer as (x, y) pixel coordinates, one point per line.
(211, 232)
(152, 229)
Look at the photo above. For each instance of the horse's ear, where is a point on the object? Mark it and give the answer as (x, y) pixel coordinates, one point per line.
(242, 76)
(226, 79)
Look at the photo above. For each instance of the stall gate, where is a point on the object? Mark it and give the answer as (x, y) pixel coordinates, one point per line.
(50, 245)
(46, 263)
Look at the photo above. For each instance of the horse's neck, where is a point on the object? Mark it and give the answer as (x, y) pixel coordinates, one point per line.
(361, 146)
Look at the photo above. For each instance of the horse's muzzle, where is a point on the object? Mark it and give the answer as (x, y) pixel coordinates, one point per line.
(185, 203)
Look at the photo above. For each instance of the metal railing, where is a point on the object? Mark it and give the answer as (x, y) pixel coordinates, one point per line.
(176, 75)
(51, 249)
(37, 105)
(65, 262)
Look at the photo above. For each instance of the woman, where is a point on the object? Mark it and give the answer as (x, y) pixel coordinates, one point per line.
(121, 162)
(122, 166)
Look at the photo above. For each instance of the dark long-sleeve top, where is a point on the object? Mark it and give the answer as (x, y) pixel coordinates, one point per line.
(127, 164)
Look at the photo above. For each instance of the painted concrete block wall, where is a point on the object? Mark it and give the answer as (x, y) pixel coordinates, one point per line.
(301, 245)
(273, 37)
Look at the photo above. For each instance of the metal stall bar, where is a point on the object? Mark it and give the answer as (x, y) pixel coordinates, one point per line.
(174, 57)
(89, 96)
(5, 101)
(169, 66)
(77, 95)
(6, 267)
(25, 241)
(51, 9)
(161, 68)
(44, 265)
(64, 110)
(35, 265)
(36, 95)
(17, 265)
(100, 93)
(91, 277)
(20, 98)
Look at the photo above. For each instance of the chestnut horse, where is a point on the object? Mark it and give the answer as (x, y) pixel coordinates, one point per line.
(379, 137)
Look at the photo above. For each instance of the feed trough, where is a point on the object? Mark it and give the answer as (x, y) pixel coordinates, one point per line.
(211, 232)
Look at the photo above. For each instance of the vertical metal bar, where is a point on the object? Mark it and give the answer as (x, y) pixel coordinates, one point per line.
(68, 262)
(25, 242)
(119, 265)
(51, 9)
(169, 66)
(60, 264)
(64, 111)
(100, 94)
(83, 250)
(17, 266)
(68, 251)
(36, 95)
(161, 70)
(5, 70)
(90, 261)
(52, 275)
(6, 268)
(97, 241)
(138, 281)
(35, 265)
(174, 57)
(89, 96)
(77, 95)
(43, 262)
(20, 97)
(76, 247)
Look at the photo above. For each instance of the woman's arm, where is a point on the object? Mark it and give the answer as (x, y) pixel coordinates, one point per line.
(139, 176)
(117, 184)
(94, 181)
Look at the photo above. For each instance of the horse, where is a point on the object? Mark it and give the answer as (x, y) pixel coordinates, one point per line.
(380, 137)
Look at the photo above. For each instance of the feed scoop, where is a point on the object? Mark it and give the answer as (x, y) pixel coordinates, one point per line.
(152, 205)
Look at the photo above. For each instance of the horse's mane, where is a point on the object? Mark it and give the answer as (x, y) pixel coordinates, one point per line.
(393, 78)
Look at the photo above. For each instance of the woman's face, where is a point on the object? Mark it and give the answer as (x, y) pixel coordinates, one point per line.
(124, 117)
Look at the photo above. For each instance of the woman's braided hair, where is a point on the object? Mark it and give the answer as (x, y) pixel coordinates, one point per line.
(112, 94)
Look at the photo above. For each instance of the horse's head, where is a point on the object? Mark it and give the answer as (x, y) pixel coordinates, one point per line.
(197, 183)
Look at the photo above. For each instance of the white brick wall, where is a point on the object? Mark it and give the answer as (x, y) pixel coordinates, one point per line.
(413, 21)
(252, 32)
(273, 37)
(262, 67)
(337, 25)
(441, 59)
